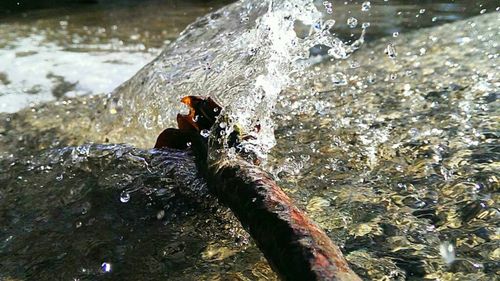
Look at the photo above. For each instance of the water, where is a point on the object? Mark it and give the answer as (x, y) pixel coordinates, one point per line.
(53, 53)
(391, 145)
(64, 214)
(401, 164)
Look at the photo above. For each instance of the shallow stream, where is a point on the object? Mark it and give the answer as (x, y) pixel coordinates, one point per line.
(383, 128)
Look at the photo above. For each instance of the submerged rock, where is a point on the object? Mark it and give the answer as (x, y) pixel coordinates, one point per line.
(113, 211)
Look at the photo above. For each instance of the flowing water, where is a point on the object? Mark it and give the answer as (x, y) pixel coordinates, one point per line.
(390, 144)
(87, 49)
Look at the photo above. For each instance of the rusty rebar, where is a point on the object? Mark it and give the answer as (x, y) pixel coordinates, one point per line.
(295, 247)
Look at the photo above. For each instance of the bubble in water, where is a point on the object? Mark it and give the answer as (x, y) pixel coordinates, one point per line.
(434, 19)
(124, 197)
(395, 34)
(422, 11)
(352, 22)
(59, 177)
(106, 267)
(390, 51)
(482, 11)
(205, 133)
(338, 79)
(366, 6)
(222, 125)
(365, 25)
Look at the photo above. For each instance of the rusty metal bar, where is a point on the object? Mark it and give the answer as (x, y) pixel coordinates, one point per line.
(295, 246)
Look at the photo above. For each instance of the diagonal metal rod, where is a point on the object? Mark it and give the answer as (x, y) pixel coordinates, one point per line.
(295, 246)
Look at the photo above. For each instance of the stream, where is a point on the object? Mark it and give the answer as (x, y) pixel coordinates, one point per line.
(379, 118)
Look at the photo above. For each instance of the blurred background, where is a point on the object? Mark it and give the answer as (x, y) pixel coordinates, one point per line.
(51, 49)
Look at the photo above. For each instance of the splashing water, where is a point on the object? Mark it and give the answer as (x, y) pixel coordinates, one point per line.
(252, 55)
(393, 156)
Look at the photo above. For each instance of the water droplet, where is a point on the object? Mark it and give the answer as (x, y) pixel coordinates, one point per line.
(393, 76)
(195, 118)
(328, 6)
(222, 125)
(216, 109)
(395, 34)
(352, 22)
(371, 78)
(124, 197)
(366, 6)
(327, 25)
(422, 11)
(390, 51)
(59, 177)
(482, 11)
(248, 73)
(365, 25)
(78, 224)
(205, 133)
(106, 267)
(188, 144)
(339, 79)
(160, 214)
(434, 19)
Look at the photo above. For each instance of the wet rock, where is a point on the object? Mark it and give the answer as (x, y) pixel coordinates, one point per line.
(63, 216)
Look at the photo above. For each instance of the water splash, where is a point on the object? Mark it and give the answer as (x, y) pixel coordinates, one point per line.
(243, 56)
